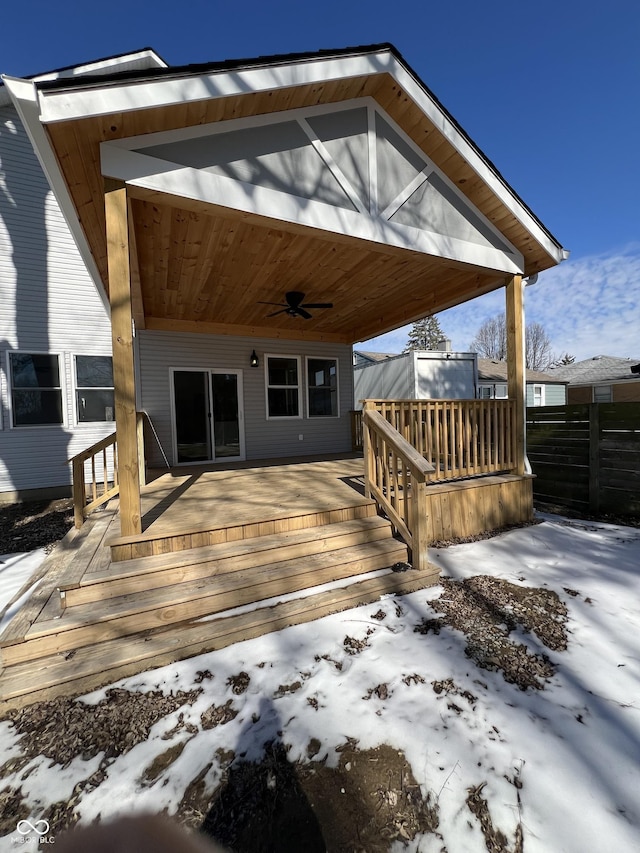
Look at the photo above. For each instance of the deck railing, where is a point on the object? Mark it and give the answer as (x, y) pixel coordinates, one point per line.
(396, 477)
(98, 489)
(460, 438)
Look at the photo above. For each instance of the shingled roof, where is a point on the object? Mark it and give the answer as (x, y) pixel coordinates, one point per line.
(496, 371)
(600, 368)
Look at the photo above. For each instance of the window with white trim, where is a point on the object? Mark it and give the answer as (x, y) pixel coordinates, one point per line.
(322, 387)
(94, 388)
(36, 389)
(538, 395)
(497, 391)
(282, 374)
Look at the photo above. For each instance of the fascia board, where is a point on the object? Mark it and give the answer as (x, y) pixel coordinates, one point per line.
(150, 173)
(112, 97)
(451, 133)
(24, 97)
(97, 99)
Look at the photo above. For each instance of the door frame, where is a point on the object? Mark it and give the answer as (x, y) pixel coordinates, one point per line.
(210, 371)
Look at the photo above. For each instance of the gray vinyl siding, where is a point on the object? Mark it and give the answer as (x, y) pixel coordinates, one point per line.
(554, 395)
(48, 303)
(265, 439)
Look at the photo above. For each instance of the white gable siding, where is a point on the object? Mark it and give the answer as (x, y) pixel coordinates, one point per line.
(161, 351)
(48, 303)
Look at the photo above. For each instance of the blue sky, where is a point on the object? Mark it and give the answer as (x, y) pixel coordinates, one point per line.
(548, 90)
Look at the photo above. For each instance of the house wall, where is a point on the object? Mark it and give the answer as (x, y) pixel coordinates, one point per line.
(392, 378)
(446, 377)
(579, 394)
(265, 438)
(48, 304)
(418, 375)
(621, 392)
(554, 395)
(629, 392)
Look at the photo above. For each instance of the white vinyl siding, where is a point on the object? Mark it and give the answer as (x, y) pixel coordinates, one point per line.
(48, 304)
(265, 438)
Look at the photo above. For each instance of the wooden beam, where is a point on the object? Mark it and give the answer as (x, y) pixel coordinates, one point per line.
(516, 382)
(116, 213)
(292, 334)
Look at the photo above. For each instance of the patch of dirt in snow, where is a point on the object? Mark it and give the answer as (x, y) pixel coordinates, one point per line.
(62, 729)
(34, 524)
(363, 805)
(487, 610)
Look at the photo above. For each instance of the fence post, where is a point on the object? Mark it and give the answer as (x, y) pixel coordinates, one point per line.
(594, 457)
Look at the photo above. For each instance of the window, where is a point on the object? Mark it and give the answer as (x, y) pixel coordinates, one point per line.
(500, 392)
(602, 393)
(538, 395)
(283, 386)
(493, 392)
(36, 391)
(94, 388)
(322, 387)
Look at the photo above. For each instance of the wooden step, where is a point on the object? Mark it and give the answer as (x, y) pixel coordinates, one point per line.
(97, 622)
(155, 542)
(135, 576)
(100, 664)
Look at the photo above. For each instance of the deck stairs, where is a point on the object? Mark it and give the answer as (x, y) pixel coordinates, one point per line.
(114, 619)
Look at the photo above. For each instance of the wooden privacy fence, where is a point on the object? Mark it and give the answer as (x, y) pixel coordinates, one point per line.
(396, 477)
(586, 457)
(459, 438)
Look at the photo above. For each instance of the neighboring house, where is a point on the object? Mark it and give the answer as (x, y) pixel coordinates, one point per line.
(543, 389)
(601, 379)
(56, 378)
(417, 375)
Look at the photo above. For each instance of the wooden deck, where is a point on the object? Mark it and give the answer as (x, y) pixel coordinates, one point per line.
(225, 555)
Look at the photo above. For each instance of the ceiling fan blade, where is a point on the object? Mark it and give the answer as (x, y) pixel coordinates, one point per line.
(318, 305)
(281, 304)
(275, 313)
(302, 313)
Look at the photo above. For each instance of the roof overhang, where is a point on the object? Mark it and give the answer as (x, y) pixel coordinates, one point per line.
(209, 248)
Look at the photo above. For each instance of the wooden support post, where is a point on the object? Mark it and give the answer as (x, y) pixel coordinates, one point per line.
(419, 537)
(516, 365)
(115, 201)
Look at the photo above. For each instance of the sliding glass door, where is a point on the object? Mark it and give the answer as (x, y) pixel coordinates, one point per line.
(208, 416)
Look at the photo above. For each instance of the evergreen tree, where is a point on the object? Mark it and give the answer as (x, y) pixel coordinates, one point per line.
(424, 334)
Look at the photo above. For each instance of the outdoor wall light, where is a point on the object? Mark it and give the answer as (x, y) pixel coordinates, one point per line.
(253, 361)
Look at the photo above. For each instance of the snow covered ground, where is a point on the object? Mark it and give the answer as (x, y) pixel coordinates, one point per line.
(563, 762)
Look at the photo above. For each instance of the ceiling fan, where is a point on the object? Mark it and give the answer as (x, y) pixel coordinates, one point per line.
(294, 307)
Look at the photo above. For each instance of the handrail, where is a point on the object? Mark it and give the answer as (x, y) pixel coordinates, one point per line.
(82, 506)
(396, 477)
(461, 438)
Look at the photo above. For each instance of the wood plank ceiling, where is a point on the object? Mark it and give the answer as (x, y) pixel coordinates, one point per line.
(206, 268)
